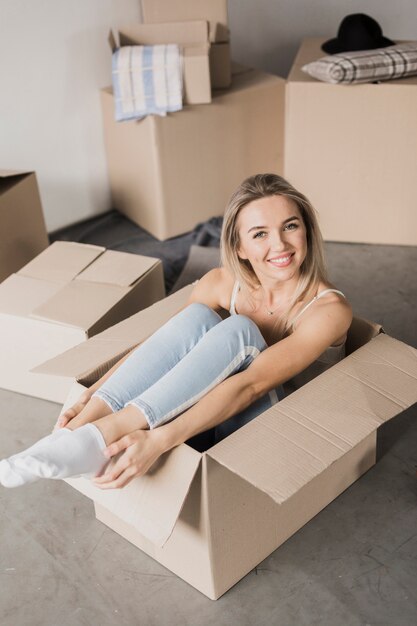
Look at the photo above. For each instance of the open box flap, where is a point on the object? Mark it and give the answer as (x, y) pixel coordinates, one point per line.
(7, 173)
(116, 340)
(283, 449)
(20, 295)
(153, 502)
(150, 503)
(360, 332)
(61, 261)
(9, 178)
(181, 33)
(117, 268)
(214, 11)
(93, 301)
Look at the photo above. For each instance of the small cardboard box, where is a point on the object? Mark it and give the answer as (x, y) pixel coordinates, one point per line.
(212, 517)
(169, 173)
(68, 293)
(22, 226)
(351, 149)
(192, 37)
(215, 11)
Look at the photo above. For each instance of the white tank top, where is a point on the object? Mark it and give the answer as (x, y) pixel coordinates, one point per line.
(331, 356)
(236, 287)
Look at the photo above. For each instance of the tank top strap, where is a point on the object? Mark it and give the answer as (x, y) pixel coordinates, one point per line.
(236, 288)
(317, 297)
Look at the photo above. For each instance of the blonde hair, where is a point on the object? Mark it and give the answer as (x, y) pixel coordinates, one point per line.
(312, 270)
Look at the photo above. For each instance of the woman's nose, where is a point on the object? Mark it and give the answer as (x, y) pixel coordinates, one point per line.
(277, 241)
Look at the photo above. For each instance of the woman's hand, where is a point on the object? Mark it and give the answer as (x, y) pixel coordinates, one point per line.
(76, 408)
(140, 448)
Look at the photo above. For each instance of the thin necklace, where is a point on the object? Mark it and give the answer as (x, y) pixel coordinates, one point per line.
(268, 312)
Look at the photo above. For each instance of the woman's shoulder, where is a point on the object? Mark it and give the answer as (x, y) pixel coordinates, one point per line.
(214, 288)
(329, 294)
(328, 305)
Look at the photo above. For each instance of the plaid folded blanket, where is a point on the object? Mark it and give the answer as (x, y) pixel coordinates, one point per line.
(146, 80)
(366, 66)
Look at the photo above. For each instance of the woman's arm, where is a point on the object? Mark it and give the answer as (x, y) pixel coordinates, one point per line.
(268, 370)
(271, 368)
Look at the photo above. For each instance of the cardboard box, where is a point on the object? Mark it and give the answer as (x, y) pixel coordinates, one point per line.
(192, 37)
(214, 11)
(22, 226)
(68, 293)
(351, 149)
(212, 517)
(169, 173)
(220, 65)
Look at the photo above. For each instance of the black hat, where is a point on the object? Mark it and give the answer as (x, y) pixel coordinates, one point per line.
(357, 32)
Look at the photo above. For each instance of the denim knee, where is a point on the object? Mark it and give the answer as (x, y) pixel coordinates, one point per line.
(201, 313)
(246, 328)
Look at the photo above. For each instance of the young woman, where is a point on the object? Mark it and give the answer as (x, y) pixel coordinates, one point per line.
(200, 371)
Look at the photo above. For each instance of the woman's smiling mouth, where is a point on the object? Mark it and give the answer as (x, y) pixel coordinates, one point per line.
(282, 260)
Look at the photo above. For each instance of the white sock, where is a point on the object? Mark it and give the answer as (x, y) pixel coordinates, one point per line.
(62, 454)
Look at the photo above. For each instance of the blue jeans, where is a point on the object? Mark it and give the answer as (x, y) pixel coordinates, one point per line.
(182, 361)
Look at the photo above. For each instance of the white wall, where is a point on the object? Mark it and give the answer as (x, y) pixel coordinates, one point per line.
(54, 57)
(267, 33)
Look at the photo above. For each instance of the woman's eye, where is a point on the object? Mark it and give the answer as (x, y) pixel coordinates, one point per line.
(259, 233)
(291, 226)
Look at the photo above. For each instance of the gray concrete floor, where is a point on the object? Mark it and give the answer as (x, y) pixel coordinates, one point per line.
(354, 564)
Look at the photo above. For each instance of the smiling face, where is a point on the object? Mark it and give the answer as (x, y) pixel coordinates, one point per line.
(272, 238)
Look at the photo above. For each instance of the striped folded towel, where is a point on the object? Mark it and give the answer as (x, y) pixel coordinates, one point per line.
(146, 80)
(366, 66)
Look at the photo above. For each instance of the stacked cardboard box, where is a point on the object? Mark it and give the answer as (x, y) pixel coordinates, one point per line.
(169, 173)
(22, 226)
(351, 149)
(68, 293)
(212, 517)
(215, 12)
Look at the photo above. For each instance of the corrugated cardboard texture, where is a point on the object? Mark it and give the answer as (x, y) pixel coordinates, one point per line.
(19, 294)
(117, 268)
(80, 304)
(77, 284)
(215, 11)
(187, 552)
(62, 261)
(22, 226)
(352, 152)
(245, 533)
(150, 503)
(266, 480)
(323, 420)
(85, 291)
(115, 341)
(242, 129)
